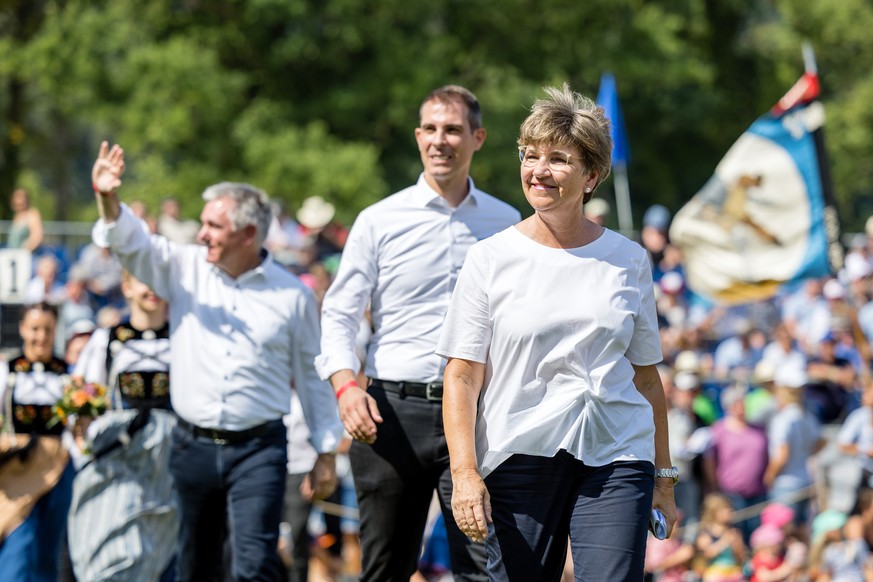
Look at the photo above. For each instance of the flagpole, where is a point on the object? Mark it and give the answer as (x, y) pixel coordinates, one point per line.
(607, 98)
(622, 199)
(833, 224)
(809, 58)
(836, 252)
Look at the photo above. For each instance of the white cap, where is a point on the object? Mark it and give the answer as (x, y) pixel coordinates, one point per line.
(687, 361)
(833, 289)
(790, 377)
(686, 381)
(81, 327)
(857, 267)
(671, 283)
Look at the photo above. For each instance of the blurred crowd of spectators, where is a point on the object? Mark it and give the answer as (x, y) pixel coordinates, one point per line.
(770, 402)
(770, 424)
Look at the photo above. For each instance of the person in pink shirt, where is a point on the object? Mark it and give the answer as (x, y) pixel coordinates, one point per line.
(737, 457)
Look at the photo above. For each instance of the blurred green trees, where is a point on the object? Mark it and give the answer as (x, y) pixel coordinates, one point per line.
(304, 97)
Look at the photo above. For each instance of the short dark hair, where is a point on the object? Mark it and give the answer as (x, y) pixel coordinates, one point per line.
(454, 93)
(42, 306)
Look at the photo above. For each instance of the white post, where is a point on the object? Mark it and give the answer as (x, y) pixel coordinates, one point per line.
(622, 200)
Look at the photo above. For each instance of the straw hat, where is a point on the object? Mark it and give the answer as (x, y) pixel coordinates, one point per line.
(315, 213)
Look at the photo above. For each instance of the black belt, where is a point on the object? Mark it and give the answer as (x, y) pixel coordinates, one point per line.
(226, 437)
(432, 391)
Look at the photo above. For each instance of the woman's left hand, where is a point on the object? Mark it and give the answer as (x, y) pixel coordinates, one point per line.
(665, 501)
(471, 504)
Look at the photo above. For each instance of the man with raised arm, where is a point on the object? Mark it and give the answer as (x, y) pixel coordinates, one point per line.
(242, 329)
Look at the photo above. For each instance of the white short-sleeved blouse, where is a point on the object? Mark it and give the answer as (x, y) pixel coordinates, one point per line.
(558, 330)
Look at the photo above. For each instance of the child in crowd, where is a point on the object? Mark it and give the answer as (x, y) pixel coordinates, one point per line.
(669, 560)
(768, 562)
(796, 552)
(720, 548)
(839, 553)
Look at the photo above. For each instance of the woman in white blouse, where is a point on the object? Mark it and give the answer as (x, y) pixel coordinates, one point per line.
(554, 412)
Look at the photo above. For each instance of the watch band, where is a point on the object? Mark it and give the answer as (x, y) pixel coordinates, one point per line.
(671, 473)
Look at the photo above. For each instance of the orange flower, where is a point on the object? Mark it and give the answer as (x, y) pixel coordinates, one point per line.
(79, 398)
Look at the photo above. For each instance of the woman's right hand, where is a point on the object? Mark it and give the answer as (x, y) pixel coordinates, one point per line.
(471, 504)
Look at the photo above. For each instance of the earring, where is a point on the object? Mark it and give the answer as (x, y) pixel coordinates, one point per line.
(587, 190)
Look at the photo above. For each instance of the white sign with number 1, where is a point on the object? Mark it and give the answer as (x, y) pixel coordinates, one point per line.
(15, 265)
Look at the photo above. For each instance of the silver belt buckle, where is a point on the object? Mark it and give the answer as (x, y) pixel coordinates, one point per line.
(216, 439)
(430, 388)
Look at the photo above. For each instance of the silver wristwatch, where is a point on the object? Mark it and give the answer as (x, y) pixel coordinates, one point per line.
(671, 473)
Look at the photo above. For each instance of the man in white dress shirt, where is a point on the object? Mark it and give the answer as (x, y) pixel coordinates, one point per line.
(402, 258)
(242, 329)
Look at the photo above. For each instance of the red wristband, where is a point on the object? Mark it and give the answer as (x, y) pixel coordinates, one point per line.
(345, 387)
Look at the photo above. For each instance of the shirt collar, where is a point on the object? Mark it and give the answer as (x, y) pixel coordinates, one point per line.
(259, 271)
(424, 195)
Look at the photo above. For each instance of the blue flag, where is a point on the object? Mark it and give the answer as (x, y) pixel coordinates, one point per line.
(607, 97)
(766, 217)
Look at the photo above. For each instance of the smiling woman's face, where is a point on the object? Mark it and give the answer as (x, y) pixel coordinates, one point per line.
(37, 331)
(553, 177)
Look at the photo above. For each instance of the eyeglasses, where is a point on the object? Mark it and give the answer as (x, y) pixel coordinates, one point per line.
(557, 161)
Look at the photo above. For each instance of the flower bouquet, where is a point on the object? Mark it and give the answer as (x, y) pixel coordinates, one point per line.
(80, 400)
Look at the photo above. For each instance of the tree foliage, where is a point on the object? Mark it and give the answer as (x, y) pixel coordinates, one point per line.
(304, 97)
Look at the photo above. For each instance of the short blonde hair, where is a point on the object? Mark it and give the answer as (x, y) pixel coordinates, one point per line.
(712, 503)
(570, 119)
